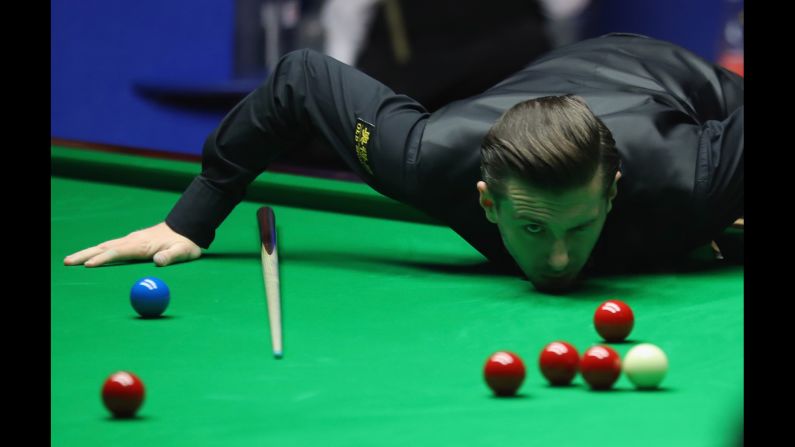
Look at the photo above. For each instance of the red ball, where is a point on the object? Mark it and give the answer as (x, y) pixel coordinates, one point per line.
(504, 373)
(614, 320)
(123, 394)
(600, 367)
(558, 362)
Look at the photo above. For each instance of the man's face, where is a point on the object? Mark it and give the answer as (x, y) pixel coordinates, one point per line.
(550, 234)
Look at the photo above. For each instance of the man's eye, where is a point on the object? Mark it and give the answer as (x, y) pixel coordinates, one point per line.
(532, 228)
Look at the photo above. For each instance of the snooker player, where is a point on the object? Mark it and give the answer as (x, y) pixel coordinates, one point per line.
(618, 151)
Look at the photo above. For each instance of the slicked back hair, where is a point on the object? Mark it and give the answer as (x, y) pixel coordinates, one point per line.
(552, 143)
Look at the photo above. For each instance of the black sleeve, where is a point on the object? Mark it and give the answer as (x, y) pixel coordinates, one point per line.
(308, 94)
(720, 171)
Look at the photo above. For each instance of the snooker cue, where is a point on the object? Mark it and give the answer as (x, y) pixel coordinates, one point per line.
(270, 273)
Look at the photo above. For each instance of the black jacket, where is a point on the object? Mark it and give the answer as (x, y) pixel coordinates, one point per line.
(677, 121)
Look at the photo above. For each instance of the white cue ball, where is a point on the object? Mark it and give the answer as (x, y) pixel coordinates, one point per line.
(645, 365)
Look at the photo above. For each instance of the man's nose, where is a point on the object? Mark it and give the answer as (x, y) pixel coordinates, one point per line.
(559, 258)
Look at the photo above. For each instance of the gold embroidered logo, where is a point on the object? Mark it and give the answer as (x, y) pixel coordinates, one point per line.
(361, 138)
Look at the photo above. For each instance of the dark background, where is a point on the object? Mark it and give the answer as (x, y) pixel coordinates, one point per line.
(160, 75)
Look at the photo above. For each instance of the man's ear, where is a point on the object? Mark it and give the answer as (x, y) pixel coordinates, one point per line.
(613, 192)
(487, 202)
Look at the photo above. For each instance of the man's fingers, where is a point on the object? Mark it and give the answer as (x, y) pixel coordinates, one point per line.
(103, 258)
(159, 243)
(177, 253)
(81, 256)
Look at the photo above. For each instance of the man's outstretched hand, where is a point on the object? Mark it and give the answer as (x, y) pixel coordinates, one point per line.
(159, 243)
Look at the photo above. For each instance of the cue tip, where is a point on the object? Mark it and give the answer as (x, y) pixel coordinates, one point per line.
(277, 354)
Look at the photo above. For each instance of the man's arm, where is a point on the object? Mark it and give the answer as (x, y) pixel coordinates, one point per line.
(309, 94)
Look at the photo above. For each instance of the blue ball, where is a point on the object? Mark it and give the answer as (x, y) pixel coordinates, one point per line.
(149, 297)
